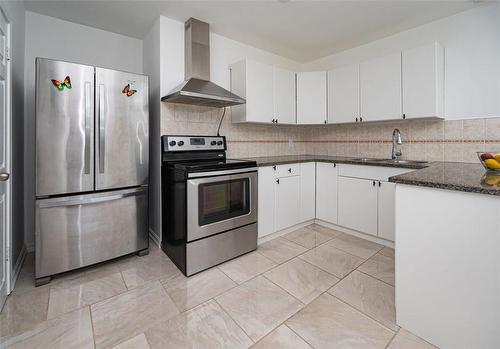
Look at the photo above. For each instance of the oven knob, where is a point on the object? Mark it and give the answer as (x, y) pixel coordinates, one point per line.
(219, 143)
(180, 143)
(213, 143)
(172, 143)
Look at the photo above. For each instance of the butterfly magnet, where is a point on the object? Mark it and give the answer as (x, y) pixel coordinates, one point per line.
(126, 90)
(60, 85)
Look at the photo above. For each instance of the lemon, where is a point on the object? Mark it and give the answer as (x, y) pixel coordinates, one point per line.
(492, 164)
(492, 179)
(497, 157)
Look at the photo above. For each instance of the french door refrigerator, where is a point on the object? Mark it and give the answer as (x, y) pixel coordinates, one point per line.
(91, 166)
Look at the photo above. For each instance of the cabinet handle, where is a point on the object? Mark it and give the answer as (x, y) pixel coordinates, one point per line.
(373, 183)
(334, 165)
(274, 121)
(356, 119)
(379, 183)
(290, 170)
(278, 181)
(274, 167)
(360, 119)
(277, 121)
(325, 122)
(404, 116)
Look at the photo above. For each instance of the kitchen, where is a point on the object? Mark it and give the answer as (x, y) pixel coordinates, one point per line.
(365, 148)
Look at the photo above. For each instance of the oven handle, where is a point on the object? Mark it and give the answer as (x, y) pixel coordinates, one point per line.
(221, 173)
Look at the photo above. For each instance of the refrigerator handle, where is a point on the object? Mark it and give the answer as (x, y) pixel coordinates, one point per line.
(88, 127)
(102, 139)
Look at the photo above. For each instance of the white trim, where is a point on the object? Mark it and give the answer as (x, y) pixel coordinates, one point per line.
(153, 236)
(355, 233)
(285, 231)
(17, 268)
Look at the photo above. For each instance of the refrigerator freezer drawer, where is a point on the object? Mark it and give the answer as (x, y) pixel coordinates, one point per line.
(76, 231)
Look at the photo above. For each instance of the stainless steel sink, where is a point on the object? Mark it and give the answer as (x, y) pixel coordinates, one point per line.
(391, 161)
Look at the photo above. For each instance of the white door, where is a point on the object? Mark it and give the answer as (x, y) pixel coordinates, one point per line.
(284, 96)
(307, 191)
(423, 78)
(287, 206)
(265, 220)
(358, 204)
(343, 94)
(311, 98)
(326, 191)
(5, 202)
(386, 209)
(380, 88)
(259, 92)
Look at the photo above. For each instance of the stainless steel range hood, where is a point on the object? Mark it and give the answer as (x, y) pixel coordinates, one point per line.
(197, 88)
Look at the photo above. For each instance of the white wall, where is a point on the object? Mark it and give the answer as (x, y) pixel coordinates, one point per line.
(16, 15)
(472, 43)
(57, 39)
(151, 67)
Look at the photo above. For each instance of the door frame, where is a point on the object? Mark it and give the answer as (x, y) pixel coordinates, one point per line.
(8, 153)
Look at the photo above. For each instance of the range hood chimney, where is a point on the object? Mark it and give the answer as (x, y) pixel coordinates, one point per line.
(197, 88)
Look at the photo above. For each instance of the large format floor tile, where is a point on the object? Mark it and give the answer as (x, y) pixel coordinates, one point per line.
(138, 342)
(258, 306)
(131, 313)
(301, 279)
(332, 260)
(139, 270)
(64, 298)
(282, 338)
(329, 323)
(324, 230)
(280, 250)
(380, 267)
(308, 238)
(405, 340)
(206, 326)
(24, 311)
(246, 267)
(72, 330)
(26, 278)
(388, 252)
(369, 295)
(355, 246)
(188, 292)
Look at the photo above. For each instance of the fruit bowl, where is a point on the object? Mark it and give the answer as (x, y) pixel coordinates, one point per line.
(490, 161)
(490, 180)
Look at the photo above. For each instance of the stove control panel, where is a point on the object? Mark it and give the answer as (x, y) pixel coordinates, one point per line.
(193, 143)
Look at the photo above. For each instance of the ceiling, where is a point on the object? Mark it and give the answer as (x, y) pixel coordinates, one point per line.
(300, 30)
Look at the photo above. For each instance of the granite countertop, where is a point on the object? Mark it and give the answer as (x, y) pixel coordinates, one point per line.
(467, 177)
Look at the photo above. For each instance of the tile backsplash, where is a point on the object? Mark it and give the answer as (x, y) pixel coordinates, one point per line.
(431, 140)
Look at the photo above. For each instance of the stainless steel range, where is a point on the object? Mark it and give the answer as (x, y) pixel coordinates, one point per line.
(209, 203)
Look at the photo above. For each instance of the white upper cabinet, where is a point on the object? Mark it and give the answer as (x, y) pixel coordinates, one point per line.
(423, 81)
(311, 98)
(380, 88)
(284, 96)
(269, 93)
(254, 82)
(343, 94)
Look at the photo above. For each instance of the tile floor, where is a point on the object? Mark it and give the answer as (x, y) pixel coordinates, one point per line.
(312, 288)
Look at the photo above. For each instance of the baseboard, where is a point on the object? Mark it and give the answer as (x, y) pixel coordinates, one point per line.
(283, 232)
(355, 233)
(17, 268)
(153, 236)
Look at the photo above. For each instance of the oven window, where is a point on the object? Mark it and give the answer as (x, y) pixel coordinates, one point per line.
(223, 200)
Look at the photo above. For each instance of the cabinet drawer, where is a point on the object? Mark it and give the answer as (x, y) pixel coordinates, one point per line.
(371, 172)
(287, 170)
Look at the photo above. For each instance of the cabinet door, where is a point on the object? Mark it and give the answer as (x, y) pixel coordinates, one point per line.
(287, 195)
(343, 94)
(265, 200)
(311, 98)
(326, 191)
(423, 75)
(386, 210)
(284, 96)
(380, 88)
(358, 204)
(259, 92)
(307, 191)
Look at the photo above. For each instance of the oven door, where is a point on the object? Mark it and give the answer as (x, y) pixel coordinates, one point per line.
(222, 201)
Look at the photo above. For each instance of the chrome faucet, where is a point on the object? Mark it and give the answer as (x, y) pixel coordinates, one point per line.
(396, 139)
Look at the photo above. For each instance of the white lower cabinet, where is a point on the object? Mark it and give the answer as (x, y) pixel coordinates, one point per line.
(386, 210)
(326, 191)
(307, 191)
(357, 200)
(266, 201)
(287, 197)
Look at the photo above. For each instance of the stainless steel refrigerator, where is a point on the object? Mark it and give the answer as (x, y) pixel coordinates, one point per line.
(91, 166)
